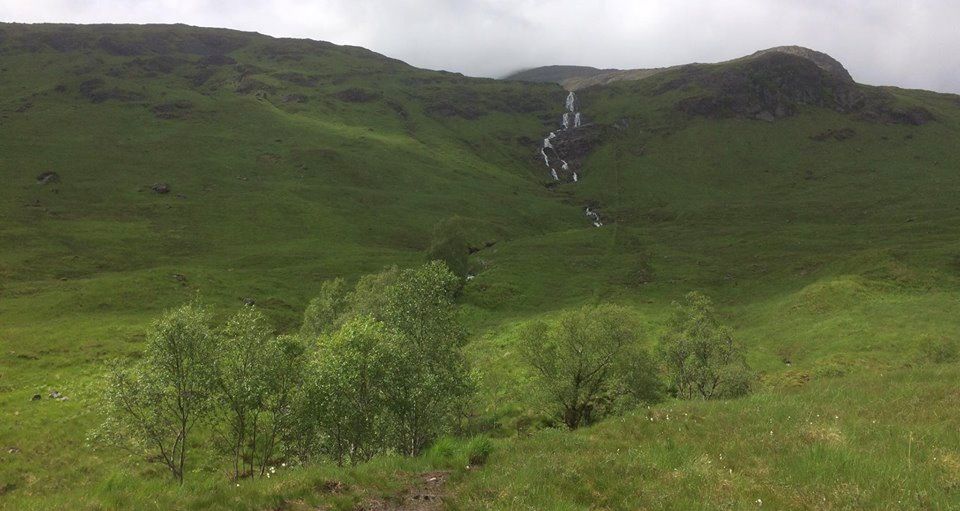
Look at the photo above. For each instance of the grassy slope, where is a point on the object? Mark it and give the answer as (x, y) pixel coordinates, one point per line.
(839, 256)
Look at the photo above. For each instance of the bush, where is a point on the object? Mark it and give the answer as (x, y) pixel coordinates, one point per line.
(399, 348)
(449, 451)
(478, 450)
(589, 363)
(157, 403)
(257, 375)
(324, 312)
(699, 354)
(352, 371)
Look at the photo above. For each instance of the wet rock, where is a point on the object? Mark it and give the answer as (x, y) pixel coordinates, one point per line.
(576, 144)
(36, 397)
(249, 302)
(160, 188)
(48, 177)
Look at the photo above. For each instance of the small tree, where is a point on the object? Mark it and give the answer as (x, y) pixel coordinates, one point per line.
(351, 372)
(434, 379)
(325, 311)
(700, 356)
(257, 376)
(156, 403)
(589, 362)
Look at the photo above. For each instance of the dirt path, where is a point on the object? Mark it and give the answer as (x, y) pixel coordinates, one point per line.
(426, 494)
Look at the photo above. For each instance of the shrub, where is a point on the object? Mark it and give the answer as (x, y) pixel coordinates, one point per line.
(157, 403)
(699, 354)
(324, 312)
(589, 364)
(399, 347)
(478, 450)
(257, 375)
(351, 371)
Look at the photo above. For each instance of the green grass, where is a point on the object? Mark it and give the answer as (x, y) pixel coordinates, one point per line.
(842, 258)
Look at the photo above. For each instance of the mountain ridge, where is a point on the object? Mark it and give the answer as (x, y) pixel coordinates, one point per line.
(579, 77)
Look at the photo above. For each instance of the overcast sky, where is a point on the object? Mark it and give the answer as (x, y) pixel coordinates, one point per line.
(910, 43)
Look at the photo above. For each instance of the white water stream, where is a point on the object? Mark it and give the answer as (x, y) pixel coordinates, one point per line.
(571, 120)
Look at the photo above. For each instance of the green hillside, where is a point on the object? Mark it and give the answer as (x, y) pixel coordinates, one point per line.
(821, 216)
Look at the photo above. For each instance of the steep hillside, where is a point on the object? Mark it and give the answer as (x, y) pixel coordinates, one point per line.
(820, 214)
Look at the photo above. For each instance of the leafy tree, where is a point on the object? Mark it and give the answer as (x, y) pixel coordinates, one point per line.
(157, 403)
(369, 296)
(257, 376)
(325, 311)
(427, 394)
(700, 356)
(589, 363)
(352, 371)
(405, 321)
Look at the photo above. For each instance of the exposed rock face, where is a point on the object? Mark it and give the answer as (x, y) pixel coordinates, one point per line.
(573, 146)
(776, 84)
(769, 86)
(822, 60)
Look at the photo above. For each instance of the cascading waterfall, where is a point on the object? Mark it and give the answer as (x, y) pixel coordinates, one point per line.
(571, 120)
(592, 215)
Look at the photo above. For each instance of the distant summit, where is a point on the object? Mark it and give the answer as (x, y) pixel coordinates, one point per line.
(556, 74)
(580, 77)
(822, 60)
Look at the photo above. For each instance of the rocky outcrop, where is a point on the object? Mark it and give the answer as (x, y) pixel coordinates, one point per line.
(822, 60)
(572, 147)
(776, 84)
(767, 87)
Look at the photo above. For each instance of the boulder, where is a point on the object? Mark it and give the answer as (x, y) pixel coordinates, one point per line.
(160, 188)
(48, 177)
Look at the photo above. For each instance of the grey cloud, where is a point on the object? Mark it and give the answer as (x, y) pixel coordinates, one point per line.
(909, 43)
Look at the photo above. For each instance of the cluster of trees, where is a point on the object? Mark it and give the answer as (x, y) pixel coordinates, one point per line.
(377, 368)
(590, 363)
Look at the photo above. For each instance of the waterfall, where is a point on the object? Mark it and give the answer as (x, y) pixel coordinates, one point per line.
(592, 215)
(571, 120)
